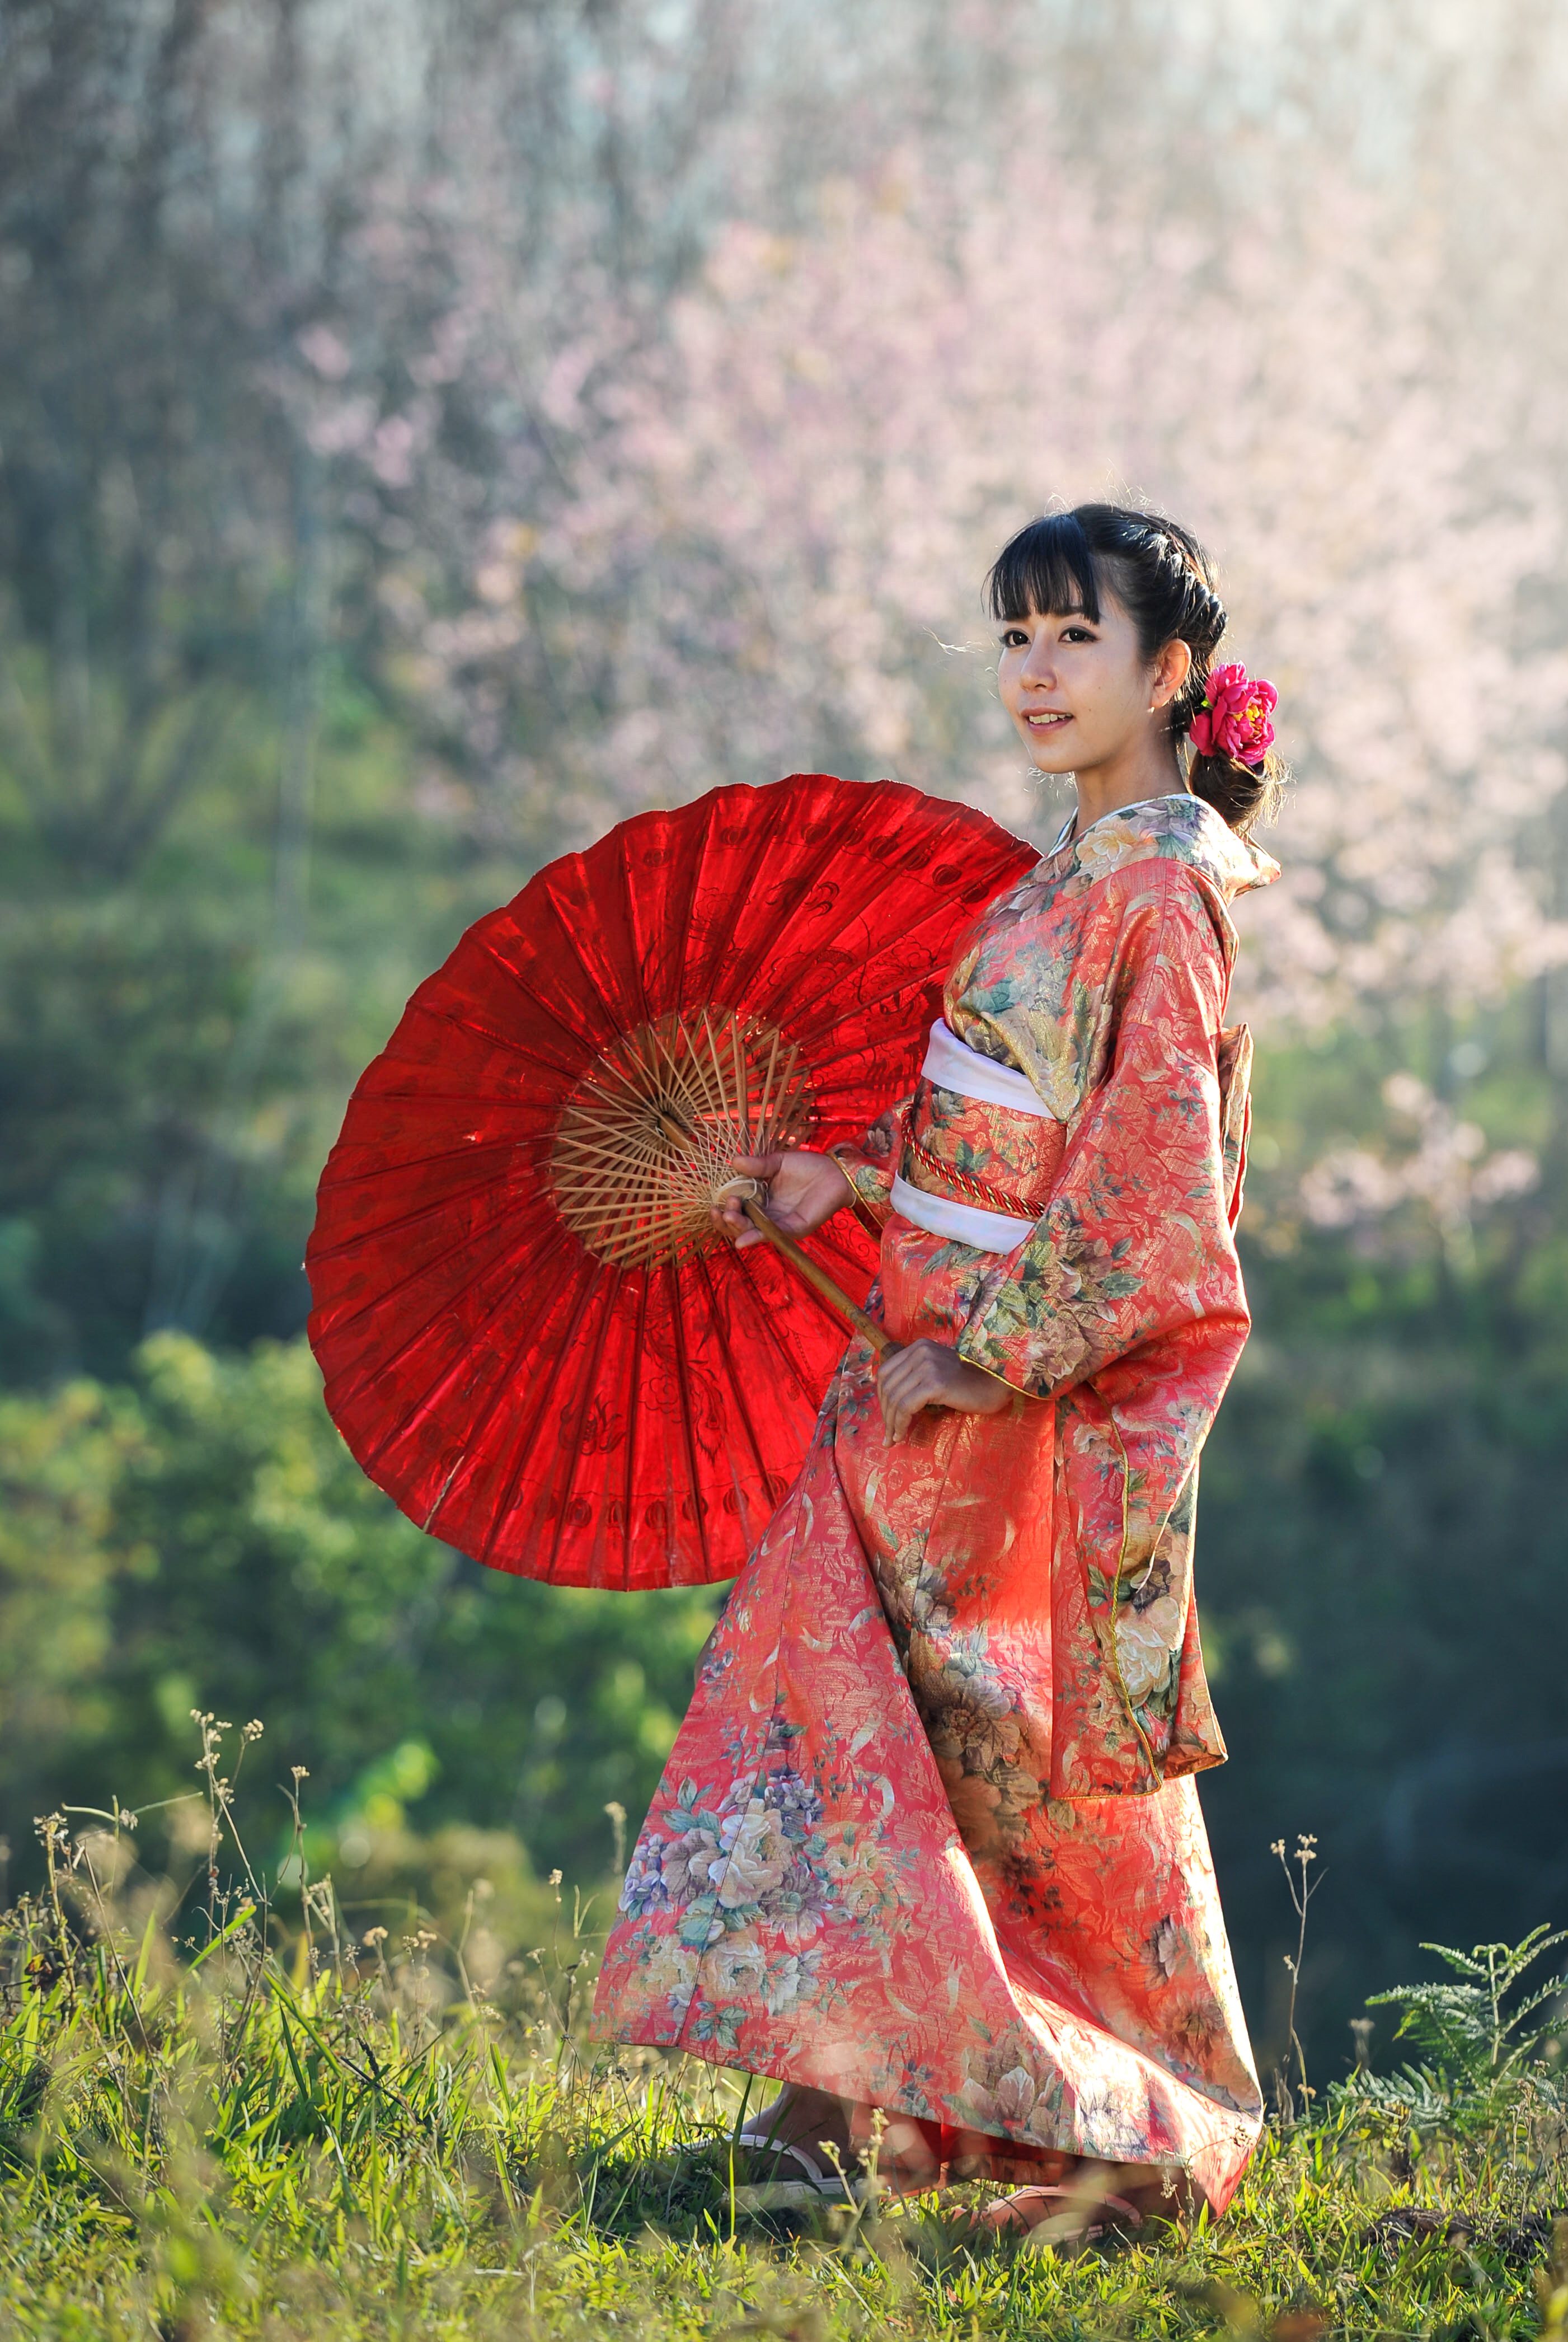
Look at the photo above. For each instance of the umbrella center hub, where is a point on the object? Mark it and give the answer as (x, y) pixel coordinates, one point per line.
(648, 1138)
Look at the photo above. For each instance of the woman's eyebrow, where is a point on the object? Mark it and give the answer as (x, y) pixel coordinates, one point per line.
(1021, 618)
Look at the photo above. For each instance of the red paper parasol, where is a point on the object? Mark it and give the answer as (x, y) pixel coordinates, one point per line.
(568, 1383)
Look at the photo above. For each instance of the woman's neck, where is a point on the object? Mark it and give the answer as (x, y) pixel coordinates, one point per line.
(1128, 780)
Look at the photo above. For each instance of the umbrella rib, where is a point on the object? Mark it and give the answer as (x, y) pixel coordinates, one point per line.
(594, 1165)
(787, 1089)
(605, 1193)
(617, 1218)
(594, 1081)
(607, 1183)
(764, 1112)
(609, 1157)
(743, 1071)
(622, 1064)
(673, 1070)
(634, 1186)
(732, 1103)
(662, 1225)
(592, 1143)
(712, 1101)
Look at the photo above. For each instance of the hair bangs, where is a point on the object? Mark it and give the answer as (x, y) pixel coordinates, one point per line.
(1048, 568)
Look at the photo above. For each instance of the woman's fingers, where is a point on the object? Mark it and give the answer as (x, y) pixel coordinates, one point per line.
(907, 1380)
(905, 1406)
(803, 1189)
(929, 1374)
(730, 1212)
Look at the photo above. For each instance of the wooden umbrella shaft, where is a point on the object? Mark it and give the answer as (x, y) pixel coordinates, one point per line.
(836, 1298)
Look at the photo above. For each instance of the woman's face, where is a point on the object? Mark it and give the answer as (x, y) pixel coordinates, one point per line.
(1079, 690)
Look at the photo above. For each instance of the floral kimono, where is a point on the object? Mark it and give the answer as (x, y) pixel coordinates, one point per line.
(929, 1837)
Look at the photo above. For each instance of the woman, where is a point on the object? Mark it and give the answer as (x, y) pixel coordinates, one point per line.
(929, 1841)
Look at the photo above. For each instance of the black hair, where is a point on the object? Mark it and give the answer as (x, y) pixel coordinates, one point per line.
(1163, 579)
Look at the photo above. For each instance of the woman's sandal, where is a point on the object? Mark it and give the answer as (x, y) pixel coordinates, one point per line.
(1067, 2215)
(815, 2186)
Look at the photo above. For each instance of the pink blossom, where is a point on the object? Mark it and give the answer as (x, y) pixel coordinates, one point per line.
(741, 529)
(326, 350)
(1447, 1175)
(1234, 720)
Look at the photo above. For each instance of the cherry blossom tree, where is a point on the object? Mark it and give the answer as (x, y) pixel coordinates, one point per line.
(756, 539)
(655, 384)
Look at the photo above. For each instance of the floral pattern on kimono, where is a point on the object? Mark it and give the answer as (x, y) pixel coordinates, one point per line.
(1103, 977)
(927, 1838)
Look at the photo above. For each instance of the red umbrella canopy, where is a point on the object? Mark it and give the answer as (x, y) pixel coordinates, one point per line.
(527, 1381)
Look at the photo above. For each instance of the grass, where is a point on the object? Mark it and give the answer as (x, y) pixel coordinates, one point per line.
(285, 2132)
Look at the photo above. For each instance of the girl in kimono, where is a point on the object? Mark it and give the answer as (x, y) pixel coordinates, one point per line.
(929, 1844)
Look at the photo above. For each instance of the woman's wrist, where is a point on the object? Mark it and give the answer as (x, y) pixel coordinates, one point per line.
(851, 1194)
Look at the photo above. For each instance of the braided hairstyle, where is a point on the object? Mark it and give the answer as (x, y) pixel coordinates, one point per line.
(1163, 579)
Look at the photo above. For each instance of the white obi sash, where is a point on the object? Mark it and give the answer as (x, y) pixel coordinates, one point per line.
(951, 1065)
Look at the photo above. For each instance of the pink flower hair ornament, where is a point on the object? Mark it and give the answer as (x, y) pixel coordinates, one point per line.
(1234, 720)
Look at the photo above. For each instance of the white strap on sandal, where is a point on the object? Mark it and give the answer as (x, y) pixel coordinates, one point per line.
(777, 2195)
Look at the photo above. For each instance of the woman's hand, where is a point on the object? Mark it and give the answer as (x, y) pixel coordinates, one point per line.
(804, 1190)
(928, 1374)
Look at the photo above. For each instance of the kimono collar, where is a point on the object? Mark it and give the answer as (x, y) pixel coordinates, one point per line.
(1176, 828)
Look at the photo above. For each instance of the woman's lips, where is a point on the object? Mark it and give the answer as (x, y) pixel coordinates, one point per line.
(1045, 719)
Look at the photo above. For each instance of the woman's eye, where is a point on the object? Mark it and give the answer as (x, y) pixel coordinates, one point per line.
(1013, 639)
(1076, 635)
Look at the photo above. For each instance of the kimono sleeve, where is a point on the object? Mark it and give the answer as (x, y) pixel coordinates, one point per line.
(1135, 1242)
(869, 1168)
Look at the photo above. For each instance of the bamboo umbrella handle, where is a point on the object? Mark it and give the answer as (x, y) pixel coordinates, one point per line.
(866, 1328)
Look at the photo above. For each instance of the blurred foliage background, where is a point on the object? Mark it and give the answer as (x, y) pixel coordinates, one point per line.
(428, 433)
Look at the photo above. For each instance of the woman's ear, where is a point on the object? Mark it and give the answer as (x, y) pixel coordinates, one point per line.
(1171, 669)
